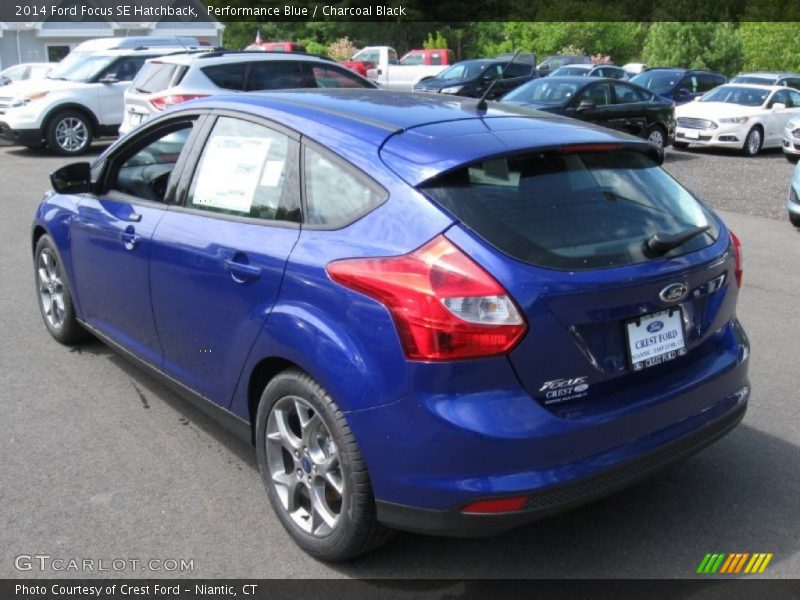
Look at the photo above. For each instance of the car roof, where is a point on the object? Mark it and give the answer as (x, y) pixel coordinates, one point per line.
(766, 74)
(755, 86)
(224, 57)
(419, 135)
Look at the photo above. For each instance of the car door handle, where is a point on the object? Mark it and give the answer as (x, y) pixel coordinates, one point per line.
(129, 238)
(241, 272)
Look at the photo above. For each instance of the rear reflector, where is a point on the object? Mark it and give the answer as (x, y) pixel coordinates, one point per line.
(497, 505)
(445, 306)
(737, 254)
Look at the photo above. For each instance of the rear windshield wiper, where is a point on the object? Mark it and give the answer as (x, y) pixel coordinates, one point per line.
(660, 243)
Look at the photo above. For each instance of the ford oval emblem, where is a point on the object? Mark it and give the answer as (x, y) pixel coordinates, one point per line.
(674, 292)
(655, 326)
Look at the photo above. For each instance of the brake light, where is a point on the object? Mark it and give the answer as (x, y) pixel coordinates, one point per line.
(445, 306)
(496, 505)
(164, 102)
(737, 254)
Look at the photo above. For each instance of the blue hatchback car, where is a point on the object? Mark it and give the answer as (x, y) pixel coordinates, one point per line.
(425, 314)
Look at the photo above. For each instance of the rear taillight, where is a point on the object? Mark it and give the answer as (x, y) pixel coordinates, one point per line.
(445, 306)
(164, 102)
(737, 255)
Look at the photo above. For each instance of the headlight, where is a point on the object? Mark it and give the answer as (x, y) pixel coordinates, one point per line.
(454, 89)
(28, 98)
(734, 119)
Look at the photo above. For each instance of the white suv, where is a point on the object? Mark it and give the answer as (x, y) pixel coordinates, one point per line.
(170, 80)
(75, 103)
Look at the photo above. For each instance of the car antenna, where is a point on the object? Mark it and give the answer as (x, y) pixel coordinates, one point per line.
(481, 105)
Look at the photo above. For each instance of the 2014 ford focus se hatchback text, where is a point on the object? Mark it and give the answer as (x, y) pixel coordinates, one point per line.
(425, 314)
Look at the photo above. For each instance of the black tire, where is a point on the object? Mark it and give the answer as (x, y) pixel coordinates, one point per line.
(751, 145)
(792, 158)
(656, 132)
(357, 529)
(59, 138)
(680, 145)
(63, 326)
(794, 220)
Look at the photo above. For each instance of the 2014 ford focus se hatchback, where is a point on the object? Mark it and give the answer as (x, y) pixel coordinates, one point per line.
(425, 314)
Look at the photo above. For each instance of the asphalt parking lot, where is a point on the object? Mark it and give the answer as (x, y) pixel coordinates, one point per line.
(101, 462)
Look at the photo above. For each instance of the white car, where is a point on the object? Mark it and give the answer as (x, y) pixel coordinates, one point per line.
(75, 103)
(742, 116)
(791, 140)
(25, 72)
(171, 80)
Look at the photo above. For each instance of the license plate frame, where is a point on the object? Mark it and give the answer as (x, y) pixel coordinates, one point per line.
(692, 134)
(654, 351)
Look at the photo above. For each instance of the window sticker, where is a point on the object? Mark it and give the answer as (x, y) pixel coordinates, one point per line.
(230, 172)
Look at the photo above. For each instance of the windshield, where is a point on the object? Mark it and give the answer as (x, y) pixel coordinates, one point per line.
(734, 94)
(569, 71)
(466, 70)
(658, 81)
(84, 69)
(544, 91)
(573, 211)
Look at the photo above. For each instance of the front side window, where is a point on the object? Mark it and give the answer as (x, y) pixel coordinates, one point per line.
(335, 195)
(572, 211)
(597, 94)
(125, 69)
(146, 172)
(243, 172)
(545, 91)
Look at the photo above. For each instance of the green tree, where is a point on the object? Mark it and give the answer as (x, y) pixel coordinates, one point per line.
(770, 46)
(714, 46)
(435, 42)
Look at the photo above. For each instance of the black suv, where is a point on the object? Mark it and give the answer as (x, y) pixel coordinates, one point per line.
(679, 85)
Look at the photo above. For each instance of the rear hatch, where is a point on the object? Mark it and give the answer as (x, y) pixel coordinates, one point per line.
(625, 279)
(152, 81)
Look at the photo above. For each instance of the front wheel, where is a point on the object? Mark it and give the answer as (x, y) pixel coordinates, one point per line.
(315, 475)
(55, 298)
(657, 137)
(69, 133)
(752, 143)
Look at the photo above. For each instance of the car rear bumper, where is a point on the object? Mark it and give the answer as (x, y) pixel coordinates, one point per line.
(545, 502)
(26, 137)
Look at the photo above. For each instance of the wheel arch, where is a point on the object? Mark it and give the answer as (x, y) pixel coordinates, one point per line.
(71, 106)
(36, 234)
(260, 376)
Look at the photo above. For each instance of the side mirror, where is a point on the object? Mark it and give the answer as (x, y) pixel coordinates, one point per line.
(110, 78)
(75, 178)
(586, 105)
(778, 106)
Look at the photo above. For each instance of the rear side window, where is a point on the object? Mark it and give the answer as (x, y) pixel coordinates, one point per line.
(229, 77)
(158, 76)
(572, 210)
(335, 194)
(276, 75)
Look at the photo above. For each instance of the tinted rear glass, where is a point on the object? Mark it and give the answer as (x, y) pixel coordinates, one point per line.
(572, 211)
(157, 76)
(230, 77)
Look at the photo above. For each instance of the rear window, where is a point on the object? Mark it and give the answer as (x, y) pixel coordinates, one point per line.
(158, 76)
(573, 210)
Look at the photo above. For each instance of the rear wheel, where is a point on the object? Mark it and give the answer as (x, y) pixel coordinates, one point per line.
(794, 219)
(657, 137)
(69, 133)
(315, 475)
(55, 298)
(752, 143)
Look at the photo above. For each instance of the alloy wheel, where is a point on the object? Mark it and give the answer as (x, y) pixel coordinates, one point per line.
(51, 288)
(304, 466)
(754, 142)
(71, 134)
(656, 138)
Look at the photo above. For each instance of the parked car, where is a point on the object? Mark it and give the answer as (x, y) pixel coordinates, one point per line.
(169, 80)
(425, 316)
(791, 80)
(383, 67)
(793, 204)
(276, 47)
(473, 77)
(554, 61)
(75, 103)
(679, 85)
(133, 42)
(25, 72)
(743, 116)
(611, 103)
(610, 71)
(791, 140)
